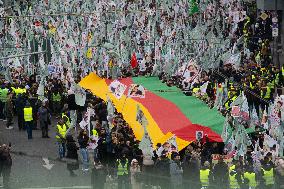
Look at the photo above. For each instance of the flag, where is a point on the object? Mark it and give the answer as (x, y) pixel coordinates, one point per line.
(146, 145)
(136, 91)
(193, 7)
(225, 132)
(173, 142)
(117, 88)
(134, 62)
(238, 101)
(245, 109)
(203, 88)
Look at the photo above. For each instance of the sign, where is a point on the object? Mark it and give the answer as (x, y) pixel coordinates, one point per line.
(117, 88)
(199, 135)
(226, 158)
(263, 16)
(236, 111)
(136, 91)
(275, 32)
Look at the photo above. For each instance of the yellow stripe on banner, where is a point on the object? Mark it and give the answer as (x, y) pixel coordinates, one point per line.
(99, 87)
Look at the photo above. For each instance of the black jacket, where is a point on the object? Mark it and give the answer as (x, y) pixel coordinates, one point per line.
(71, 148)
(71, 102)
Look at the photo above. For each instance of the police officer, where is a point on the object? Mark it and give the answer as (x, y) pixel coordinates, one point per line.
(28, 117)
(123, 172)
(60, 137)
(249, 178)
(233, 176)
(56, 102)
(205, 175)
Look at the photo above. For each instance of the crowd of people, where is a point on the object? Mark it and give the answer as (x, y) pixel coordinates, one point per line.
(232, 60)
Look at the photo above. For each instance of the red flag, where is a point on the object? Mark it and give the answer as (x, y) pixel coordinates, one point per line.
(134, 62)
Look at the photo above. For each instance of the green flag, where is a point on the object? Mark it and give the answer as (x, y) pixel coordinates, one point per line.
(193, 7)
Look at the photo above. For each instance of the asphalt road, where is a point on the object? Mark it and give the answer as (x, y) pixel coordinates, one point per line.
(28, 170)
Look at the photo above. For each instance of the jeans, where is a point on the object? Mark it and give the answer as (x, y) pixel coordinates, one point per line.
(85, 157)
(61, 149)
(29, 127)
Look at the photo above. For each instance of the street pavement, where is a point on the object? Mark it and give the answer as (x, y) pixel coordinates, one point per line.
(28, 170)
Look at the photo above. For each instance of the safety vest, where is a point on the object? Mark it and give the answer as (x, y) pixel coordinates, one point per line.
(16, 91)
(56, 98)
(268, 176)
(204, 177)
(251, 178)
(68, 123)
(95, 132)
(22, 90)
(267, 94)
(251, 85)
(62, 131)
(4, 95)
(230, 101)
(233, 180)
(122, 170)
(28, 114)
(195, 90)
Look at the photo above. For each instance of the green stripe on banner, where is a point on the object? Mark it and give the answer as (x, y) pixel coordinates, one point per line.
(194, 109)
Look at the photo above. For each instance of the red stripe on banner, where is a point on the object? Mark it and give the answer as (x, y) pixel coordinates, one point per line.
(169, 117)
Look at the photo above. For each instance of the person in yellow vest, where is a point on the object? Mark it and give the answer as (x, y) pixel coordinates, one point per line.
(233, 177)
(94, 143)
(3, 100)
(28, 117)
(9, 111)
(249, 178)
(123, 171)
(56, 102)
(205, 175)
(268, 177)
(232, 96)
(60, 137)
(265, 94)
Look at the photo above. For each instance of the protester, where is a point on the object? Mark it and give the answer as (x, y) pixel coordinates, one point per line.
(83, 140)
(134, 171)
(44, 118)
(217, 51)
(176, 171)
